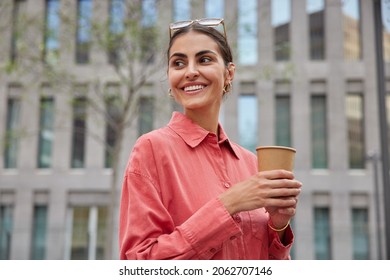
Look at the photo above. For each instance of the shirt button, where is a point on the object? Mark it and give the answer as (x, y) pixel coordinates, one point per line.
(226, 185)
(237, 218)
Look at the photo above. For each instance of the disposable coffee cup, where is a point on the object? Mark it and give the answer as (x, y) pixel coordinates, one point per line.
(275, 157)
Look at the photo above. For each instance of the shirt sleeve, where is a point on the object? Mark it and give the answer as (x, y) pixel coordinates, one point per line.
(147, 230)
(277, 249)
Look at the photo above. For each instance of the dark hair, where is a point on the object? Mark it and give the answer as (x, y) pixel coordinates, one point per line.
(209, 31)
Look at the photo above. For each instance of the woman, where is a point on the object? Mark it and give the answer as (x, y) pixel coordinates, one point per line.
(188, 191)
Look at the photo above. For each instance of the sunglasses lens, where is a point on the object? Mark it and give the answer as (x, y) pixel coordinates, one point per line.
(180, 24)
(210, 21)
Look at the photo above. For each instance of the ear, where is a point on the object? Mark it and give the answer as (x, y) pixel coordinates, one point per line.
(230, 70)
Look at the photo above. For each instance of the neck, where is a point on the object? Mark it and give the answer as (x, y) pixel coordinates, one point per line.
(206, 120)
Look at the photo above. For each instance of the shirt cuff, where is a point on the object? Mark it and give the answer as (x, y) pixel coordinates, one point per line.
(277, 249)
(209, 227)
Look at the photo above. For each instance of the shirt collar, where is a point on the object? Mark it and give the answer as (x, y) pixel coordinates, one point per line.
(193, 134)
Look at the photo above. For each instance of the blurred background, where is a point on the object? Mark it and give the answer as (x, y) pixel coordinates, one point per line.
(81, 80)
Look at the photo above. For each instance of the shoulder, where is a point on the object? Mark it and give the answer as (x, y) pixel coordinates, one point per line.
(155, 138)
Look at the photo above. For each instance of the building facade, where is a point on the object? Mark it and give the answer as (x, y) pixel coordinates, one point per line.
(306, 78)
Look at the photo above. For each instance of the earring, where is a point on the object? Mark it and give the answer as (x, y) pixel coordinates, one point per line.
(170, 93)
(227, 88)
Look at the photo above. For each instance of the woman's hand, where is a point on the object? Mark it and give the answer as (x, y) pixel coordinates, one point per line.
(275, 190)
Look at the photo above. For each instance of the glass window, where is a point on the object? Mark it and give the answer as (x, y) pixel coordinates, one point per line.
(46, 129)
(386, 29)
(83, 39)
(18, 25)
(355, 121)
(282, 120)
(79, 132)
(248, 121)
(11, 136)
(388, 118)
(146, 116)
(247, 32)
(38, 245)
(101, 232)
(360, 238)
(148, 34)
(322, 237)
(52, 31)
(113, 115)
(149, 13)
(319, 158)
(352, 29)
(88, 233)
(6, 212)
(316, 12)
(117, 26)
(181, 10)
(281, 17)
(79, 249)
(215, 8)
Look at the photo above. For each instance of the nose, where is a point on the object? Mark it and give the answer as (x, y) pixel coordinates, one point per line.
(192, 71)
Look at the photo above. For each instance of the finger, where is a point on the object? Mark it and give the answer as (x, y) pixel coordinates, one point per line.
(289, 211)
(283, 192)
(281, 202)
(277, 174)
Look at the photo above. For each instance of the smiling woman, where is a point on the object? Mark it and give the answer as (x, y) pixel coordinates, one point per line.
(189, 192)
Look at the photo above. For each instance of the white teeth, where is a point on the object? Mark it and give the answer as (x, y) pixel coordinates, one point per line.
(195, 87)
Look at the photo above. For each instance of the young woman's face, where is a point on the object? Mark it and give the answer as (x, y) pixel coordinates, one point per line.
(197, 73)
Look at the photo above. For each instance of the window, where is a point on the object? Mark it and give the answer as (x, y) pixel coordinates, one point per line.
(282, 120)
(281, 17)
(6, 212)
(79, 132)
(11, 136)
(181, 10)
(248, 121)
(51, 50)
(388, 118)
(149, 13)
(88, 226)
(355, 120)
(46, 128)
(386, 29)
(319, 158)
(38, 245)
(316, 12)
(352, 30)
(148, 34)
(215, 8)
(145, 119)
(113, 115)
(247, 32)
(360, 238)
(83, 39)
(322, 237)
(117, 17)
(18, 25)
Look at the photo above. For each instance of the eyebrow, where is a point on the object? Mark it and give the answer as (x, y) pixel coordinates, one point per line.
(200, 53)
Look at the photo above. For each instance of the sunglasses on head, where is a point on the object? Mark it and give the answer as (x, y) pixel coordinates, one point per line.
(209, 22)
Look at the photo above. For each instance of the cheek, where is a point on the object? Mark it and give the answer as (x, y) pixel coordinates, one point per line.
(173, 78)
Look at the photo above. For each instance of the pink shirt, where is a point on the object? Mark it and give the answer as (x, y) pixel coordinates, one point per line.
(170, 207)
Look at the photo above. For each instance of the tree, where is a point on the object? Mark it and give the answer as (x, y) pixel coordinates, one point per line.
(127, 38)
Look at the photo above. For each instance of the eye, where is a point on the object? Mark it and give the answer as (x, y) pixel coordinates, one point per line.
(177, 63)
(205, 59)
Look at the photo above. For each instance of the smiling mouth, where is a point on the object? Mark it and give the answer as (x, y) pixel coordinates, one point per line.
(193, 88)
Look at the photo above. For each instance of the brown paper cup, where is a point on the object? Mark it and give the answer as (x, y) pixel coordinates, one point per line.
(275, 157)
